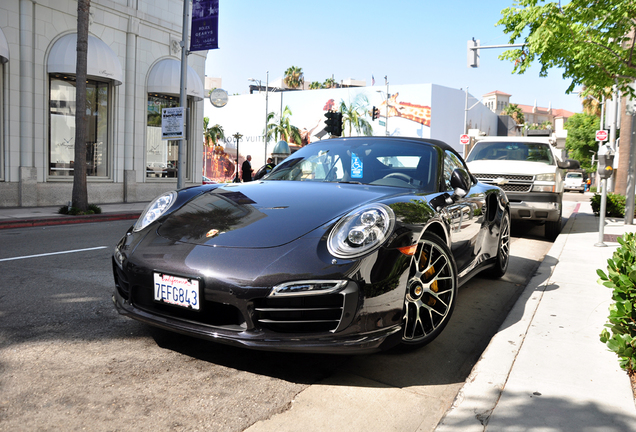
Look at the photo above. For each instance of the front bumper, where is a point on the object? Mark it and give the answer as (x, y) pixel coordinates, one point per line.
(535, 206)
(325, 344)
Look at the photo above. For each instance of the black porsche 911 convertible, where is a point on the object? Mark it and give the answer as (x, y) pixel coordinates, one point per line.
(349, 245)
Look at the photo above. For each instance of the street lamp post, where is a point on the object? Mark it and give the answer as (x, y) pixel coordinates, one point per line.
(386, 118)
(237, 136)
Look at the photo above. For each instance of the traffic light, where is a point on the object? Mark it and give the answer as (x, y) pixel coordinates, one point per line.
(337, 126)
(330, 122)
(473, 53)
(375, 113)
(333, 124)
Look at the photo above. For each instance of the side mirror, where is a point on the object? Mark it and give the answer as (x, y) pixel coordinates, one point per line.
(569, 164)
(460, 182)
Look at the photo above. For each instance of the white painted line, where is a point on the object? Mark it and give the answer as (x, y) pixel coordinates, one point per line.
(52, 253)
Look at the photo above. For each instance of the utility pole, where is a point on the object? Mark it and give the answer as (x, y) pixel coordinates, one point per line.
(183, 95)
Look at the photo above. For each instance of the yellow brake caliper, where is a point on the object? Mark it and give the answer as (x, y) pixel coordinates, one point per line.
(429, 273)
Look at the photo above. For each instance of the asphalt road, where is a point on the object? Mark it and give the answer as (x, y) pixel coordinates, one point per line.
(68, 361)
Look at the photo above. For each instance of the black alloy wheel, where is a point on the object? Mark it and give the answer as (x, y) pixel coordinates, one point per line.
(430, 292)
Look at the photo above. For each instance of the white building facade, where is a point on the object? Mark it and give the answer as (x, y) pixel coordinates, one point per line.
(133, 72)
(417, 110)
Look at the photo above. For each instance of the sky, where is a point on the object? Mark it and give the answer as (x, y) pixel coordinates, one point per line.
(408, 41)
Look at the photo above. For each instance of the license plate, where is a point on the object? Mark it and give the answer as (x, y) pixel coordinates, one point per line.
(177, 291)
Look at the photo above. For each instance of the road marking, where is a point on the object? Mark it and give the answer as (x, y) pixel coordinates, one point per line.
(53, 253)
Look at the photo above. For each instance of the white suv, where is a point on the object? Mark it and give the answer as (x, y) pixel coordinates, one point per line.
(529, 170)
(574, 182)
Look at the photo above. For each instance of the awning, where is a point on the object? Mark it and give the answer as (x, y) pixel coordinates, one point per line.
(102, 61)
(4, 48)
(165, 78)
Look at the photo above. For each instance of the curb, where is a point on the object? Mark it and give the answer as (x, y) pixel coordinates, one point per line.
(480, 394)
(66, 220)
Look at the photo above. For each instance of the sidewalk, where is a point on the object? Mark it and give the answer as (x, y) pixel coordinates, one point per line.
(20, 217)
(546, 370)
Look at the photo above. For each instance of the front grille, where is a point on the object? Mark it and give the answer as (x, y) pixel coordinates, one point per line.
(515, 183)
(516, 188)
(492, 177)
(304, 314)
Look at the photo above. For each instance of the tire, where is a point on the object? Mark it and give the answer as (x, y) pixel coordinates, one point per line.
(503, 249)
(553, 228)
(431, 292)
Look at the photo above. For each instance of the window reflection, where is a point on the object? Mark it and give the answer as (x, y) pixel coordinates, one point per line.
(162, 156)
(62, 127)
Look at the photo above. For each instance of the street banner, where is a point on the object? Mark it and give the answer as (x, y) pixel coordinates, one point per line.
(172, 123)
(205, 25)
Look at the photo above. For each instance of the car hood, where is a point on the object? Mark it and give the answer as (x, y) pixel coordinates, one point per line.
(264, 214)
(510, 167)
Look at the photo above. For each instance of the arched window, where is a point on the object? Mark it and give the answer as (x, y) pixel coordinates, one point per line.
(164, 85)
(103, 72)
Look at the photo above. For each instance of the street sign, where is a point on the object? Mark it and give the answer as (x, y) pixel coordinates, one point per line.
(172, 123)
(464, 139)
(601, 135)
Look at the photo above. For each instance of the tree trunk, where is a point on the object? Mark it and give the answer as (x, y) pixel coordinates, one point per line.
(620, 182)
(80, 192)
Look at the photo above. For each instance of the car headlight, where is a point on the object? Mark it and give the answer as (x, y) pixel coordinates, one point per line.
(545, 177)
(361, 231)
(155, 209)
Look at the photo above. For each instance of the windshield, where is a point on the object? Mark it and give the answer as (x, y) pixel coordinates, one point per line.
(401, 164)
(576, 176)
(512, 151)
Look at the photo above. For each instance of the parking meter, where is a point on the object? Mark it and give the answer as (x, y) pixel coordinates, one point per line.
(605, 162)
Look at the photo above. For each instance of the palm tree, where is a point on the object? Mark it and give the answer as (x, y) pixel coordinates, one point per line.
(354, 115)
(283, 127)
(592, 102)
(294, 77)
(214, 134)
(315, 85)
(515, 112)
(329, 83)
(80, 189)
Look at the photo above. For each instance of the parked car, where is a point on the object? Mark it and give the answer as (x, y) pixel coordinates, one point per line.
(349, 245)
(208, 181)
(574, 181)
(530, 171)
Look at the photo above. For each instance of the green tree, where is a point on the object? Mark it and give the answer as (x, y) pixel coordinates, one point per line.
(212, 135)
(282, 127)
(591, 41)
(294, 77)
(353, 116)
(581, 141)
(515, 112)
(329, 83)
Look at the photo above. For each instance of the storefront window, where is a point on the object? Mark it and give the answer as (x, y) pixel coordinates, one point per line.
(161, 155)
(62, 127)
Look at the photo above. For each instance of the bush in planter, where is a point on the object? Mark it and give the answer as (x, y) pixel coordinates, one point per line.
(92, 209)
(614, 206)
(620, 334)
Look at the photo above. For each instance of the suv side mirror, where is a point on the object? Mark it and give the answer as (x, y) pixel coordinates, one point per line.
(569, 164)
(460, 182)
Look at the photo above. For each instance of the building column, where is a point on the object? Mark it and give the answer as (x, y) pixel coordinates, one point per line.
(130, 178)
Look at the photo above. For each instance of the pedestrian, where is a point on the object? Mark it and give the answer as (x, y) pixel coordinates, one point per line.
(588, 183)
(270, 165)
(246, 168)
